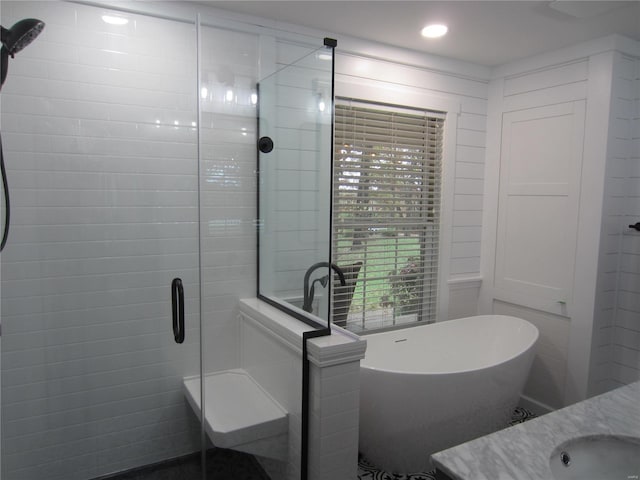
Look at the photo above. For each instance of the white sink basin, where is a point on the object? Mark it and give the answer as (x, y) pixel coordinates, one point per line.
(597, 457)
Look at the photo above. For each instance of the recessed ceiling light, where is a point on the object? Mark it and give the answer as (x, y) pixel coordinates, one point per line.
(435, 30)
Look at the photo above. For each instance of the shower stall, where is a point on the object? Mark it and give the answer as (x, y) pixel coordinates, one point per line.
(129, 137)
(295, 125)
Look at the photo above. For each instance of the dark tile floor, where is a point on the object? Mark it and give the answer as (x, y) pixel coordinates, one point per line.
(222, 464)
(225, 464)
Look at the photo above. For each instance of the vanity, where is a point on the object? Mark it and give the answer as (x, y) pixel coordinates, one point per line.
(602, 432)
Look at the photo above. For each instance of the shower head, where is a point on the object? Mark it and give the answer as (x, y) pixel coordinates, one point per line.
(15, 39)
(20, 35)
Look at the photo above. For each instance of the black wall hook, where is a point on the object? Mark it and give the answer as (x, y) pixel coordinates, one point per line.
(265, 144)
(636, 226)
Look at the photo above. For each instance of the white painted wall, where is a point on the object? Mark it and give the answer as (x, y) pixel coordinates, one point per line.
(380, 73)
(523, 89)
(461, 91)
(561, 371)
(423, 82)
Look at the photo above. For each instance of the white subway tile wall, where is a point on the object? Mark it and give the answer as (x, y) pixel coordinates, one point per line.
(296, 218)
(616, 343)
(334, 416)
(277, 367)
(611, 237)
(625, 354)
(229, 62)
(101, 156)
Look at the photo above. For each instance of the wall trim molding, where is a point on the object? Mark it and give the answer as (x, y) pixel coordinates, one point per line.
(340, 347)
(534, 406)
(459, 283)
(567, 55)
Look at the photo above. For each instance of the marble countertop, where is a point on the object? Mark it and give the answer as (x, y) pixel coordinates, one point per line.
(522, 452)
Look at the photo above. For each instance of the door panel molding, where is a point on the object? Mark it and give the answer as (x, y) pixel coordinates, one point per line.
(538, 203)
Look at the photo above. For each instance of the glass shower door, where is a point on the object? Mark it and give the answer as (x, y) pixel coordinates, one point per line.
(100, 145)
(295, 130)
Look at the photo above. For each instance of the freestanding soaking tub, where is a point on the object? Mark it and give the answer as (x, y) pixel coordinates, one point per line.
(428, 388)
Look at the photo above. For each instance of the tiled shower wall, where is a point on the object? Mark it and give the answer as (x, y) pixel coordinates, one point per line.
(97, 124)
(229, 73)
(626, 332)
(616, 341)
(296, 227)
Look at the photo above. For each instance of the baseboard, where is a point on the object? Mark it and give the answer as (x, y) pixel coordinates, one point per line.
(534, 406)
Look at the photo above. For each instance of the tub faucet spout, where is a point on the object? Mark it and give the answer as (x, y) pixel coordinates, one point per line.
(310, 292)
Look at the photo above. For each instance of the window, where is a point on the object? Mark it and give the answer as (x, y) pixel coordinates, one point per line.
(386, 211)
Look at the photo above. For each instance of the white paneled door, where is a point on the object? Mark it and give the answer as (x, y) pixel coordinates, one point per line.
(540, 169)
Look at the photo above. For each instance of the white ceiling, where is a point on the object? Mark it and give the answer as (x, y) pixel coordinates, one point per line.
(484, 32)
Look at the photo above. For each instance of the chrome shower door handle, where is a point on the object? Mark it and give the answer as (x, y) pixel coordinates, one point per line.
(177, 309)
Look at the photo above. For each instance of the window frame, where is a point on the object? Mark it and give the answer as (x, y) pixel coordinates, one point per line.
(374, 91)
(376, 178)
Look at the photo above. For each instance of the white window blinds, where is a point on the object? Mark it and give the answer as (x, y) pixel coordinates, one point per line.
(386, 213)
